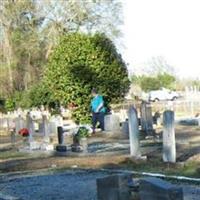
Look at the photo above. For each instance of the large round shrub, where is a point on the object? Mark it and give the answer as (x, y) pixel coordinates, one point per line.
(81, 62)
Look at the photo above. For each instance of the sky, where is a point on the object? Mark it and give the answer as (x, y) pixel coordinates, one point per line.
(167, 28)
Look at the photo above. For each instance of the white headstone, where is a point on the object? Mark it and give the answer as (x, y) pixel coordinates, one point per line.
(134, 133)
(45, 129)
(169, 144)
(111, 123)
(54, 122)
(30, 126)
(19, 124)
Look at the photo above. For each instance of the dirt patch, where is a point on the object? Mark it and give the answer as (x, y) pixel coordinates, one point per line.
(61, 162)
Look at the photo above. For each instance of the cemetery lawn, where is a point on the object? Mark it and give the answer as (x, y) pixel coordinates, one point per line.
(188, 157)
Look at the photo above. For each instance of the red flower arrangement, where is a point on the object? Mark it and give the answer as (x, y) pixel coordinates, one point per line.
(24, 132)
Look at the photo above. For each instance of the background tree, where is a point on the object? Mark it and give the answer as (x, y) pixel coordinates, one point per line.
(22, 49)
(30, 29)
(157, 82)
(81, 62)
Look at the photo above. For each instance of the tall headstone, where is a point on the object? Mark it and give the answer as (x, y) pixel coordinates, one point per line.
(13, 137)
(45, 129)
(30, 126)
(134, 133)
(46, 139)
(19, 124)
(146, 118)
(125, 128)
(54, 122)
(169, 144)
(198, 119)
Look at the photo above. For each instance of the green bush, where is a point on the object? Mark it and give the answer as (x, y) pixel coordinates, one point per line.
(10, 104)
(40, 95)
(82, 133)
(81, 62)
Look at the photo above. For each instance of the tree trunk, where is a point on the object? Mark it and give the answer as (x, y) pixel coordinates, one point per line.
(7, 53)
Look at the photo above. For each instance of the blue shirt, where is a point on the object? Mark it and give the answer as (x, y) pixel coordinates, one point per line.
(97, 104)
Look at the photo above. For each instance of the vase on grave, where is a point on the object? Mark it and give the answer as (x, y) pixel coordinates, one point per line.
(80, 140)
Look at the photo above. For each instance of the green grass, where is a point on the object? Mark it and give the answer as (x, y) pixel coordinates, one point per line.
(12, 154)
(189, 169)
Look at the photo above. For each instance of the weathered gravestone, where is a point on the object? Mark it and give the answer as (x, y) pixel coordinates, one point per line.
(46, 139)
(198, 119)
(146, 118)
(125, 128)
(134, 133)
(157, 189)
(32, 145)
(169, 144)
(111, 123)
(30, 127)
(113, 187)
(19, 124)
(45, 129)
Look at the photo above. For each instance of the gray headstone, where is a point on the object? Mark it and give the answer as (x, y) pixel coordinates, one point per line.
(134, 133)
(157, 189)
(125, 128)
(19, 124)
(198, 119)
(45, 129)
(13, 138)
(30, 126)
(111, 123)
(54, 122)
(113, 188)
(84, 144)
(146, 118)
(169, 144)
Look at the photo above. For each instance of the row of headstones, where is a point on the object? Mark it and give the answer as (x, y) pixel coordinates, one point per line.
(123, 187)
(46, 128)
(112, 122)
(169, 149)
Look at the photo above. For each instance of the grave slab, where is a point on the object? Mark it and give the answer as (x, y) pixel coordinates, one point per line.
(113, 187)
(158, 189)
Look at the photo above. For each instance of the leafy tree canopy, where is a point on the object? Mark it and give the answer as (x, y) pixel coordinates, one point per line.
(81, 62)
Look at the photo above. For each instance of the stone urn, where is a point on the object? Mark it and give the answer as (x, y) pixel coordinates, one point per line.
(80, 140)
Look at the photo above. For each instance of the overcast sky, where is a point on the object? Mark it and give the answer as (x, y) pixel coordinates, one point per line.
(168, 28)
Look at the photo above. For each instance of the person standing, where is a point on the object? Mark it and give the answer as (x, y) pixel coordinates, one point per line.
(98, 110)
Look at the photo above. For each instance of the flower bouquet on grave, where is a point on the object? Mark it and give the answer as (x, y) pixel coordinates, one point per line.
(80, 139)
(23, 132)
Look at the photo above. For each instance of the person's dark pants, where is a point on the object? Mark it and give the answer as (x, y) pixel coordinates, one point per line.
(98, 117)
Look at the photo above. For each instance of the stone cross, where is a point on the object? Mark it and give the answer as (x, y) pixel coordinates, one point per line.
(169, 144)
(146, 118)
(134, 133)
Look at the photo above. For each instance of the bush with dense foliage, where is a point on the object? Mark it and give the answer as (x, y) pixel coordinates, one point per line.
(82, 62)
